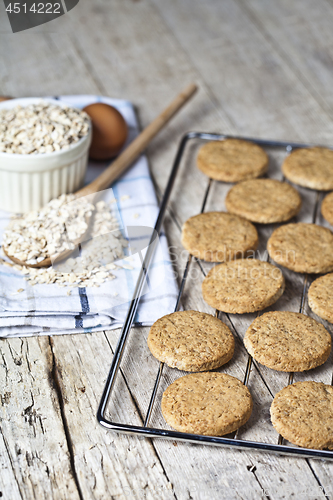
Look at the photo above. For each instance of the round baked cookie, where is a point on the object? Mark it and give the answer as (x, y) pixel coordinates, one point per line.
(207, 403)
(288, 341)
(232, 160)
(320, 297)
(327, 208)
(219, 236)
(303, 414)
(263, 200)
(191, 341)
(310, 167)
(301, 247)
(243, 286)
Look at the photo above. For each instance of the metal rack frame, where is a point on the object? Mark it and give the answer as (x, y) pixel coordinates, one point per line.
(151, 432)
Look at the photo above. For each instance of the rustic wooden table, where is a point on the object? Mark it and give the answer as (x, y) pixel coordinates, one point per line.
(265, 70)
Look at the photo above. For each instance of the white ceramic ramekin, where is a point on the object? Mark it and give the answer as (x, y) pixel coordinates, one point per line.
(27, 182)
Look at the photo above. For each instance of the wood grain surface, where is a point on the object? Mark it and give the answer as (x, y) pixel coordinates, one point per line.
(264, 69)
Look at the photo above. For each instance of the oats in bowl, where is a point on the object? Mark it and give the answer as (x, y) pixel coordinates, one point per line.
(41, 128)
(44, 147)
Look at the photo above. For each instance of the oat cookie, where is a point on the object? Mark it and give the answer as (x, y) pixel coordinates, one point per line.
(327, 208)
(191, 341)
(310, 167)
(243, 286)
(207, 403)
(301, 247)
(320, 297)
(232, 160)
(303, 414)
(263, 200)
(288, 341)
(219, 236)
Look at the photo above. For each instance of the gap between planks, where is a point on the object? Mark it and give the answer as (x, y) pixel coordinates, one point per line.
(136, 406)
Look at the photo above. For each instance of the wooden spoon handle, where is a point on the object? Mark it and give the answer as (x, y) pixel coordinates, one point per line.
(126, 158)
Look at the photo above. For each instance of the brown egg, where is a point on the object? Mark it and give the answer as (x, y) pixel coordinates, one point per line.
(109, 131)
(4, 98)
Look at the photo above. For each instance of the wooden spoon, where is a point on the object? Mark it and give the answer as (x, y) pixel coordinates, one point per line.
(125, 159)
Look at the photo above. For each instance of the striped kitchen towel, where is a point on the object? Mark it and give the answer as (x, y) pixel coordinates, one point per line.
(48, 309)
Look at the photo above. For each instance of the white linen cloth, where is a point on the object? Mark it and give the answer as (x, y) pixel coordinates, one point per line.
(49, 310)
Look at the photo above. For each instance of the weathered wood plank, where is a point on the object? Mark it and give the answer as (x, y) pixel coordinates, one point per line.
(245, 73)
(8, 484)
(31, 424)
(107, 464)
(52, 66)
(302, 33)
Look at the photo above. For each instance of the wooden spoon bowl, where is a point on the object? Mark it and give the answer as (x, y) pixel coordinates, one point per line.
(43, 263)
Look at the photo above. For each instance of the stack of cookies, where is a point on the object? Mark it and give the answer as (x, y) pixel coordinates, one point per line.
(215, 403)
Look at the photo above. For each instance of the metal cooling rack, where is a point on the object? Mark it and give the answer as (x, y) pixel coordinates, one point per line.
(144, 430)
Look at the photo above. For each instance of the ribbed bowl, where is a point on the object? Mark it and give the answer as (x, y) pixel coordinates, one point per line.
(27, 182)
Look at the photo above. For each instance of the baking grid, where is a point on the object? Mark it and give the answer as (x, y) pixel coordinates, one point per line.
(232, 441)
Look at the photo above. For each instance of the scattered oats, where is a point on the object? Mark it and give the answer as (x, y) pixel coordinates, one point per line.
(169, 486)
(51, 230)
(125, 197)
(41, 128)
(127, 266)
(59, 226)
(110, 266)
(101, 274)
(136, 216)
(69, 292)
